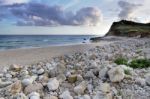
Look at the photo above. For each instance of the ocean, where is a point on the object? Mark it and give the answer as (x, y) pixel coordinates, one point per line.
(32, 41)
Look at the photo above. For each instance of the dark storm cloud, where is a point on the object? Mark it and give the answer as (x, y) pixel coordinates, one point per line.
(37, 14)
(127, 9)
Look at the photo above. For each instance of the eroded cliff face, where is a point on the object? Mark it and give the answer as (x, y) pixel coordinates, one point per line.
(129, 29)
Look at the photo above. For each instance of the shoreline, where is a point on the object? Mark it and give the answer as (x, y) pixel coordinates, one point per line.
(91, 74)
(29, 56)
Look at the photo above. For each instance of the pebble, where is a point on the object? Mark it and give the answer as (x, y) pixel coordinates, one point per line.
(28, 81)
(34, 95)
(16, 87)
(148, 79)
(79, 89)
(66, 95)
(72, 78)
(40, 71)
(53, 84)
(33, 87)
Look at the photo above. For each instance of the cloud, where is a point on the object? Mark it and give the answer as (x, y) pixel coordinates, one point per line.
(10, 2)
(37, 14)
(127, 9)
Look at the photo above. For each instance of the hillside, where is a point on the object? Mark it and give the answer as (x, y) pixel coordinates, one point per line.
(129, 29)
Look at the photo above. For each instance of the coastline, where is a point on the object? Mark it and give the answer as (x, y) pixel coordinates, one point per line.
(91, 74)
(27, 56)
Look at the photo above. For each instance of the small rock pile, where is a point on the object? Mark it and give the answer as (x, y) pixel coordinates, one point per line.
(89, 75)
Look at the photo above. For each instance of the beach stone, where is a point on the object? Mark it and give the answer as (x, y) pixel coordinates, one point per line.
(103, 73)
(53, 84)
(79, 89)
(66, 95)
(24, 73)
(140, 81)
(79, 78)
(148, 79)
(21, 96)
(33, 87)
(5, 84)
(116, 74)
(8, 75)
(61, 78)
(15, 67)
(105, 87)
(28, 81)
(103, 96)
(40, 71)
(72, 78)
(86, 97)
(16, 87)
(50, 97)
(34, 95)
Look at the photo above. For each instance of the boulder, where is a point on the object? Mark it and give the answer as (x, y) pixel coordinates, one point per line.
(116, 74)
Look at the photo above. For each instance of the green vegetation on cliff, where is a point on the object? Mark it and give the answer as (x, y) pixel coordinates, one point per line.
(129, 29)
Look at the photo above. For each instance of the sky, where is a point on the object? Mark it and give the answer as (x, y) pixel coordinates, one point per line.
(84, 17)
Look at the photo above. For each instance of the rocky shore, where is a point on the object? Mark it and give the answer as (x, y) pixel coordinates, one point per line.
(89, 75)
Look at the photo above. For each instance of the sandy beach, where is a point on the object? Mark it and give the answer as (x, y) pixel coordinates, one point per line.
(34, 55)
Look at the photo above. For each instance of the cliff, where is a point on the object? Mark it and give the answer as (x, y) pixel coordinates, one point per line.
(129, 29)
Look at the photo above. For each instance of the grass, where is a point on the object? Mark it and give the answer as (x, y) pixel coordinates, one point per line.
(140, 63)
(121, 61)
(127, 72)
(136, 63)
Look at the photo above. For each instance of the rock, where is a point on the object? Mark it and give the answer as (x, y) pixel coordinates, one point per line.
(5, 84)
(116, 74)
(33, 87)
(21, 96)
(15, 67)
(148, 79)
(103, 73)
(34, 95)
(24, 73)
(50, 97)
(105, 87)
(40, 71)
(86, 97)
(89, 75)
(43, 79)
(1, 75)
(28, 81)
(53, 84)
(140, 81)
(103, 96)
(72, 78)
(79, 78)
(8, 75)
(79, 89)
(61, 78)
(66, 95)
(16, 87)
